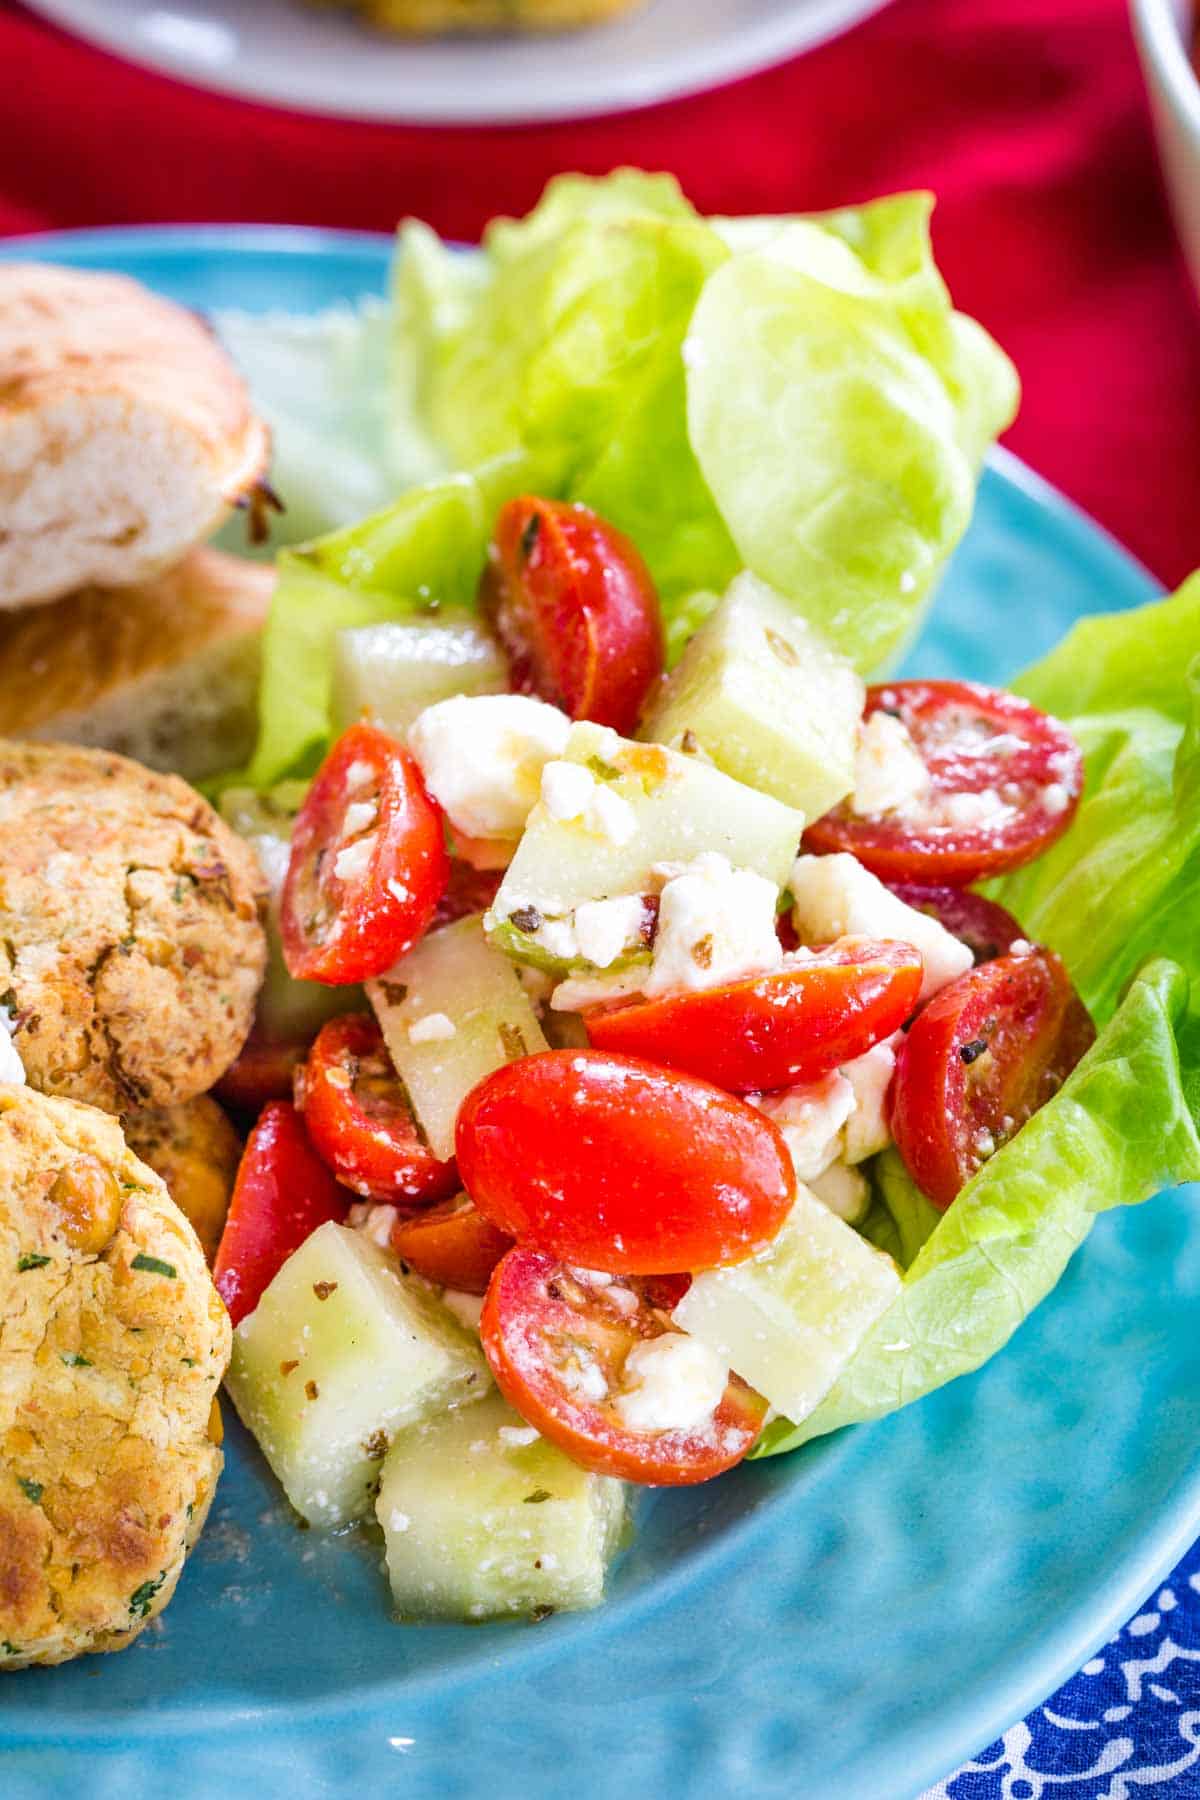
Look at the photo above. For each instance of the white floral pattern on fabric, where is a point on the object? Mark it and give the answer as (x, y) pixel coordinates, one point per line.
(1127, 1727)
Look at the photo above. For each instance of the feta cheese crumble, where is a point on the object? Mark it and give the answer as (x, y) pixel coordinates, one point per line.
(360, 816)
(889, 771)
(569, 791)
(604, 929)
(715, 923)
(353, 860)
(375, 1222)
(670, 1383)
(836, 897)
(811, 1117)
(870, 1076)
(482, 758)
(434, 1028)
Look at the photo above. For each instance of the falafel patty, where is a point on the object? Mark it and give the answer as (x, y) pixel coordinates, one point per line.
(196, 1151)
(131, 943)
(113, 1342)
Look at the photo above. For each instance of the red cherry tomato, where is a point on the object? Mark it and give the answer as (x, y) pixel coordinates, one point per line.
(978, 1061)
(359, 1119)
(451, 1244)
(575, 608)
(1025, 767)
(612, 1163)
(773, 1030)
(282, 1193)
(468, 890)
(368, 863)
(557, 1346)
(983, 926)
(263, 1071)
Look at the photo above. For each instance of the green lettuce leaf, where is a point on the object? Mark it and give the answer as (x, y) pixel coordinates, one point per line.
(807, 404)
(1120, 1128)
(1124, 882)
(425, 552)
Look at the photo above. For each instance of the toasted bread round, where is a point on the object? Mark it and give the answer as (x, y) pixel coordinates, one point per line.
(196, 1151)
(113, 1344)
(125, 432)
(131, 943)
(165, 671)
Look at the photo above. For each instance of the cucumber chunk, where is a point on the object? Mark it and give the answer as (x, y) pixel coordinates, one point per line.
(456, 973)
(789, 1319)
(390, 673)
(480, 1522)
(287, 1009)
(679, 806)
(767, 699)
(342, 1352)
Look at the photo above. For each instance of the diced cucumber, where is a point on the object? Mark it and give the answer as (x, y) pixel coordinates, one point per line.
(789, 1319)
(454, 972)
(767, 699)
(286, 1008)
(680, 805)
(341, 1353)
(392, 672)
(480, 1521)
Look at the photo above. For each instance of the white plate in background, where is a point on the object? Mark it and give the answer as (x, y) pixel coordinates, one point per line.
(277, 51)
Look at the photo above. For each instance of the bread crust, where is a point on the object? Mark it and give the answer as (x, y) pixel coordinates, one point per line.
(110, 1360)
(131, 941)
(126, 433)
(165, 671)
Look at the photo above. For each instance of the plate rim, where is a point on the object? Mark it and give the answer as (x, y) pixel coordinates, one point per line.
(953, 1735)
(745, 54)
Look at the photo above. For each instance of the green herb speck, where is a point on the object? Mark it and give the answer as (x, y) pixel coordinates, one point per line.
(74, 1360)
(153, 1265)
(31, 1260)
(32, 1490)
(537, 1496)
(139, 1600)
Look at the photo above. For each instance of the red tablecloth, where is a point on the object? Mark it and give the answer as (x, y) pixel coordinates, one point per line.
(1027, 117)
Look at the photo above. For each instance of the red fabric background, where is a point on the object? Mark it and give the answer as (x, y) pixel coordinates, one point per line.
(1027, 117)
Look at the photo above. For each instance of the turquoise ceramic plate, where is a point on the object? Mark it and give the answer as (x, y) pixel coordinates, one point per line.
(851, 1620)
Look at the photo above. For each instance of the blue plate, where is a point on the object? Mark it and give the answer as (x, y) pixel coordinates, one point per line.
(852, 1620)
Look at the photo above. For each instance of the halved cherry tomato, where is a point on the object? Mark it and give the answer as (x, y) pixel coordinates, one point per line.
(468, 890)
(451, 1244)
(359, 1119)
(263, 1071)
(282, 1193)
(575, 608)
(978, 1061)
(772, 1030)
(368, 863)
(557, 1345)
(614, 1164)
(1005, 780)
(982, 925)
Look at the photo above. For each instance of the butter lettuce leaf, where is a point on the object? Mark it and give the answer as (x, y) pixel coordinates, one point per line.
(1121, 1127)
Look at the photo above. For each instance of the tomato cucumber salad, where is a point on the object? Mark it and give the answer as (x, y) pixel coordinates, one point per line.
(682, 1037)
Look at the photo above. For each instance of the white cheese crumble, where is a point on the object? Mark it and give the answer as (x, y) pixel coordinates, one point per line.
(843, 1190)
(579, 992)
(359, 775)
(517, 1436)
(836, 897)
(482, 758)
(870, 1076)
(375, 1222)
(569, 791)
(715, 923)
(606, 928)
(557, 938)
(433, 1028)
(670, 1383)
(1055, 798)
(465, 1307)
(889, 771)
(360, 816)
(811, 1116)
(352, 862)
(967, 810)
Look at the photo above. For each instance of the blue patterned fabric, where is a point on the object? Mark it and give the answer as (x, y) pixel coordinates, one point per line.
(1127, 1727)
